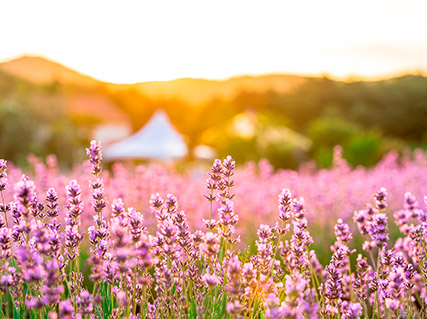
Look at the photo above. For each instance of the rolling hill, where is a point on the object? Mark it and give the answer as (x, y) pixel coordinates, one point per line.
(197, 91)
(39, 70)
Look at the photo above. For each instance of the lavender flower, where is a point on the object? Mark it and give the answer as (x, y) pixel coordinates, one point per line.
(351, 310)
(379, 230)
(173, 271)
(184, 235)
(95, 157)
(211, 244)
(264, 257)
(285, 202)
(85, 303)
(234, 277)
(98, 203)
(364, 217)
(52, 205)
(25, 192)
(228, 166)
(135, 224)
(360, 284)
(411, 205)
(66, 310)
(31, 264)
(216, 171)
(117, 208)
(156, 202)
(171, 204)
(342, 232)
(120, 241)
(380, 197)
(75, 209)
(52, 288)
(3, 174)
(3, 182)
(211, 279)
(227, 220)
(5, 243)
(40, 239)
(214, 180)
(333, 286)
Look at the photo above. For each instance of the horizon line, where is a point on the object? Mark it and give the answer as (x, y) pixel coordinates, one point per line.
(350, 77)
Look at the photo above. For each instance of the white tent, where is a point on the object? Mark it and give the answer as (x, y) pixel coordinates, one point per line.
(158, 139)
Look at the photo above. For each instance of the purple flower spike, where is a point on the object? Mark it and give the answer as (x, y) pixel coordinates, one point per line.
(85, 302)
(5, 243)
(211, 244)
(156, 202)
(171, 204)
(234, 276)
(211, 280)
(285, 205)
(95, 157)
(52, 205)
(216, 171)
(25, 192)
(299, 208)
(342, 232)
(351, 310)
(228, 164)
(75, 209)
(379, 230)
(66, 310)
(3, 175)
(380, 198)
(117, 208)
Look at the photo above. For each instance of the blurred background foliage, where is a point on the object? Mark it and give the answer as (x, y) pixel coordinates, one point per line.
(367, 118)
(33, 120)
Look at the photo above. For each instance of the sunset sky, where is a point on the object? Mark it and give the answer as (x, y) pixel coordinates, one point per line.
(133, 41)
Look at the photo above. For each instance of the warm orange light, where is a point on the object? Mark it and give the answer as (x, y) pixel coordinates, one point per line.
(163, 40)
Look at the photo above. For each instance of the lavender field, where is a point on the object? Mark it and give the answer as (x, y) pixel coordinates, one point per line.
(236, 242)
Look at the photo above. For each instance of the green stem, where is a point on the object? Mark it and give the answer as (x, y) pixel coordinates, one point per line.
(95, 286)
(133, 293)
(366, 309)
(275, 253)
(314, 278)
(339, 310)
(212, 303)
(373, 260)
(351, 281)
(1, 305)
(143, 302)
(5, 214)
(210, 210)
(376, 292)
(409, 302)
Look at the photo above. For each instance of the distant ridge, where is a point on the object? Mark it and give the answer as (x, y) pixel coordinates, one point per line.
(194, 91)
(87, 98)
(40, 70)
(43, 71)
